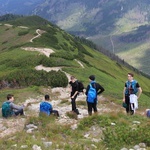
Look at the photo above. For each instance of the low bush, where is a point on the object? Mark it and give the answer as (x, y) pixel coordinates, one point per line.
(21, 33)
(28, 77)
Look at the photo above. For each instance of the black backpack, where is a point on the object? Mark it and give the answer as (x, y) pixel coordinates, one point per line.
(80, 86)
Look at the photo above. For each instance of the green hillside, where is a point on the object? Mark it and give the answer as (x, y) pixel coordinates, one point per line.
(113, 129)
(15, 61)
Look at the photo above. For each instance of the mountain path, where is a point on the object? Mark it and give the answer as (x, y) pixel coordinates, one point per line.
(38, 35)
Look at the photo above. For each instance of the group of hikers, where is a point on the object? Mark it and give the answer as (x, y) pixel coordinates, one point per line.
(131, 94)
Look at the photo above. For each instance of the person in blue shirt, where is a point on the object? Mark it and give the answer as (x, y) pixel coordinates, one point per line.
(46, 107)
(98, 89)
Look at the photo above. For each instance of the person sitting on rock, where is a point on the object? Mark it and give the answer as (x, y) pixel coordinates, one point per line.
(10, 109)
(46, 107)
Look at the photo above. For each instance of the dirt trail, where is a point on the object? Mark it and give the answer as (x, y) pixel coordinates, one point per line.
(79, 63)
(45, 51)
(38, 35)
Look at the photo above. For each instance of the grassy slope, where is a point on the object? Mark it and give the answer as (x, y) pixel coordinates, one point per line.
(111, 75)
(108, 73)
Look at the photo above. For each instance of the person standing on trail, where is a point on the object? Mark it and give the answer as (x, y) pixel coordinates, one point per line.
(10, 109)
(74, 94)
(92, 90)
(131, 94)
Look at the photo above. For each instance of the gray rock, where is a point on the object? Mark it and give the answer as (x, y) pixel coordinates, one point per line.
(94, 146)
(113, 124)
(47, 144)
(142, 145)
(29, 126)
(136, 147)
(124, 148)
(24, 146)
(36, 147)
(136, 122)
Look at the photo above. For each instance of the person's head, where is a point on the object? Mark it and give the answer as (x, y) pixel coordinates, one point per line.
(130, 76)
(10, 97)
(147, 112)
(47, 97)
(91, 77)
(72, 78)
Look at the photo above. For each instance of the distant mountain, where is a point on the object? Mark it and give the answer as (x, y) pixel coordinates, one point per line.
(107, 23)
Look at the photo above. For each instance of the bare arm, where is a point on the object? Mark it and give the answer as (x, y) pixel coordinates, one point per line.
(74, 94)
(124, 94)
(139, 92)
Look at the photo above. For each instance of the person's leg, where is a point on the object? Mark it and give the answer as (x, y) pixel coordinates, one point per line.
(132, 108)
(89, 108)
(55, 112)
(73, 102)
(19, 112)
(94, 106)
(127, 101)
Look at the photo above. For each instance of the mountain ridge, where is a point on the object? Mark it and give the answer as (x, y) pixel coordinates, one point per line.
(27, 63)
(67, 50)
(103, 22)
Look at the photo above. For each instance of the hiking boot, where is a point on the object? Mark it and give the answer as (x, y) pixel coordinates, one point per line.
(77, 112)
(132, 112)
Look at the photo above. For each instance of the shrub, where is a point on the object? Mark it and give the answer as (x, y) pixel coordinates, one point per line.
(21, 33)
(28, 77)
(65, 55)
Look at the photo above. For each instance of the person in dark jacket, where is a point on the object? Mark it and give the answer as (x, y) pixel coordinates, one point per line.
(99, 89)
(74, 93)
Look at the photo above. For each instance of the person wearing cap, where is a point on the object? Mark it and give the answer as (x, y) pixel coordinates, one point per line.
(99, 89)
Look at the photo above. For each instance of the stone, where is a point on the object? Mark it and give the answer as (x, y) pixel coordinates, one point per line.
(36, 147)
(136, 147)
(142, 145)
(24, 146)
(47, 144)
(136, 122)
(124, 148)
(113, 124)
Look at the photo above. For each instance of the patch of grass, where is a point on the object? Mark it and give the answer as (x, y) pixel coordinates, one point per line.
(81, 103)
(72, 115)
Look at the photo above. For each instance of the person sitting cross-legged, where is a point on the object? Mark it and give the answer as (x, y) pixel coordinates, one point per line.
(46, 107)
(10, 109)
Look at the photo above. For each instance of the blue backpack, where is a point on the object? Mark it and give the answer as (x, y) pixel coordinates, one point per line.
(133, 84)
(45, 107)
(92, 94)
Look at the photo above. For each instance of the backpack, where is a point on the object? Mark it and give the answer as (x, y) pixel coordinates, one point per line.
(6, 110)
(133, 84)
(80, 86)
(45, 107)
(91, 96)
